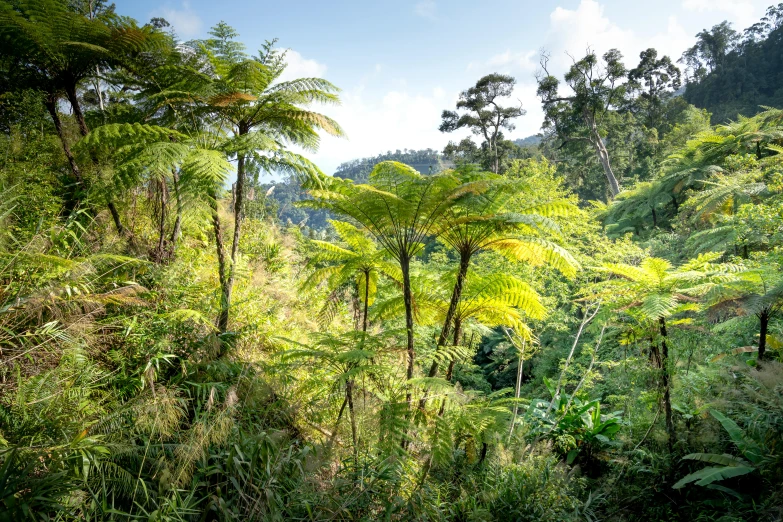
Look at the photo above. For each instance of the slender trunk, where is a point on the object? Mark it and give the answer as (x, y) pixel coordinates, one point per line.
(408, 300)
(337, 423)
(175, 233)
(366, 298)
(665, 378)
(78, 181)
(352, 414)
(676, 205)
(483, 454)
(238, 201)
(70, 92)
(603, 154)
(98, 90)
(497, 161)
(407, 296)
(159, 254)
(655, 217)
(763, 325)
(225, 292)
(456, 295)
(452, 363)
(517, 388)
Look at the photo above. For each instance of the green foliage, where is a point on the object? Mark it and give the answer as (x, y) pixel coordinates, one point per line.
(152, 368)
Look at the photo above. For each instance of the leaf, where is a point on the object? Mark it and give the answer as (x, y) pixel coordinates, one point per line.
(572, 456)
(711, 474)
(713, 458)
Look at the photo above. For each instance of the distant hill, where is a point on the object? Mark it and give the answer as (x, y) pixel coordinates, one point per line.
(425, 161)
(530, 141)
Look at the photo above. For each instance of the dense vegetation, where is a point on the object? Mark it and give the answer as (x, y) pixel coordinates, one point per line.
(586, 327)
(735, 73)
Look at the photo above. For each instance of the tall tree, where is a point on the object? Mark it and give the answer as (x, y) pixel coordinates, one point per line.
(493, 220)
(654, 79)
(757, 290)
(483, 113)
(265, 116)
(595, 90)
(404, 211)
(54, 48)
(653, 292)
(710, 49)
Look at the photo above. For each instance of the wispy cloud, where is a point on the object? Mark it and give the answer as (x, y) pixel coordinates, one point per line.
(742, 12)
(297, 66)
(426, 9)
(184, 20)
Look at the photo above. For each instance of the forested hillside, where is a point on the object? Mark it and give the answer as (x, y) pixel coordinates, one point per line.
(737, 73)
(588, 326)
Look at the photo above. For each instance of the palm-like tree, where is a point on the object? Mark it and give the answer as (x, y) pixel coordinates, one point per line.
(347, 357)
(634, 208)
(53, 49)
(757, 290)
(485, 221)
(361, 260)
(654, 291)
(403, 211)
(265, 116)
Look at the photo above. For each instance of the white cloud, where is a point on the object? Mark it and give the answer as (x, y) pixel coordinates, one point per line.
(508, 61)
(743, 13)
(184, 20)
(301, 67)
(571, 32)
(426, 9)
(376, 123)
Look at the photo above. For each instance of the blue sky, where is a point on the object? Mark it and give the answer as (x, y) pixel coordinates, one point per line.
(400, 63)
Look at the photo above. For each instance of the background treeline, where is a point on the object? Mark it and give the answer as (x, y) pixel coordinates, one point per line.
(584, 326)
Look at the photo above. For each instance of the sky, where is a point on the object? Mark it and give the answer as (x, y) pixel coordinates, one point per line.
(399, 64)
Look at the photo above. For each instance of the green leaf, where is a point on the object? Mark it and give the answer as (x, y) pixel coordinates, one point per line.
(711, 474)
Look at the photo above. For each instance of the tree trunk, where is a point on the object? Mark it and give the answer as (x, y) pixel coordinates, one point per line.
(366, 298)
(763, 325)
(520, 371)
(450, 370)
(175, 233)
(225, 292)
(352, 414)
(70, 92)
(665, 378)
(456, 295)
(238, 201)
(408, 300)
(160, 252)
(603, 154)
(78, 181)
(337, 423)
(115, 216)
